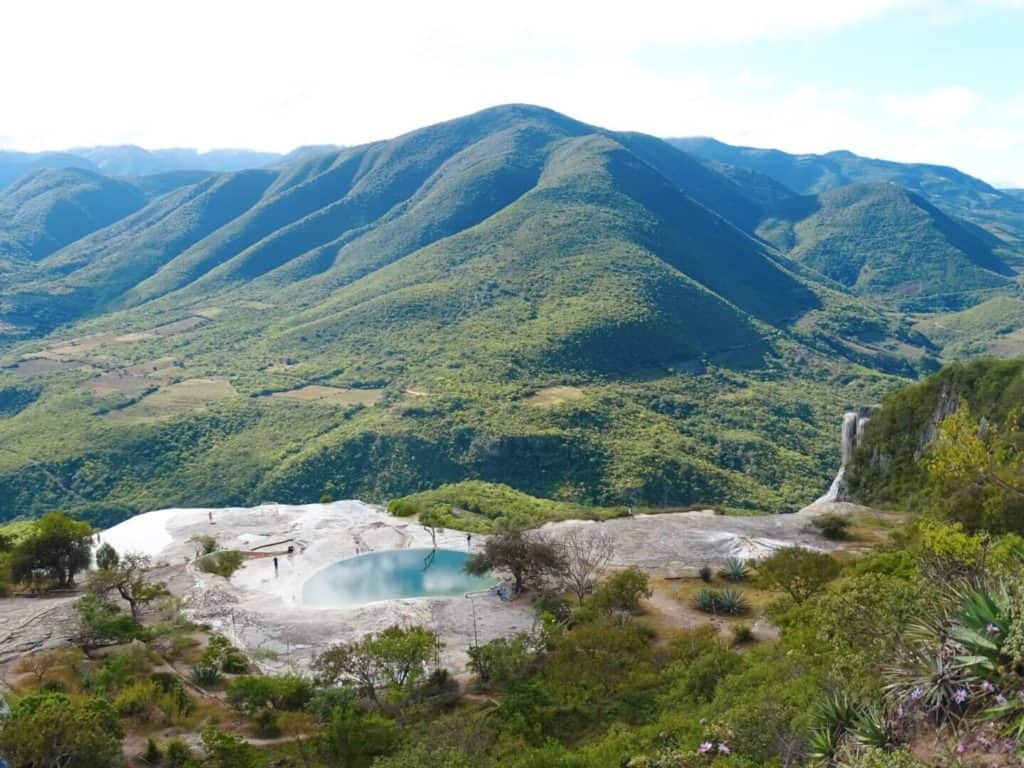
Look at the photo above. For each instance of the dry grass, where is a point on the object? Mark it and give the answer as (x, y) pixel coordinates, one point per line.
(174, 399)
(548, 396)
(316, 393)
(35, 366)
(135, 379)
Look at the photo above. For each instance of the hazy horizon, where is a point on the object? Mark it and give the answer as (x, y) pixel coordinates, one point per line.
(911, 80)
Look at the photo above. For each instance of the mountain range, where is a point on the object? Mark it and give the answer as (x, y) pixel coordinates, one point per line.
(514, 295)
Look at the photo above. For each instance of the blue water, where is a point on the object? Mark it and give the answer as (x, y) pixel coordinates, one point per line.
(392, 574)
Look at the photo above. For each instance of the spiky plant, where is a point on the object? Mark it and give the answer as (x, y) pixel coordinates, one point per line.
(731, 602)
(705, 573)
(705, 601)
(735, 570)
(875, 728)
(205, 675)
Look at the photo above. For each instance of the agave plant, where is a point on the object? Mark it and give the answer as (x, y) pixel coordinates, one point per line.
(732, 602)
(205, 675)
(735, 570)
(705, 601)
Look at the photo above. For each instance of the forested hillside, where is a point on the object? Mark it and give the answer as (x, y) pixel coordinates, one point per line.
(513, 296)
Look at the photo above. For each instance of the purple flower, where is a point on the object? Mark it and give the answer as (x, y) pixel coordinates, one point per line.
(960, 747)
(916, 694)
(723, 749)
(1000, 699)
(987, 687)
(960, 696)
(706, 747)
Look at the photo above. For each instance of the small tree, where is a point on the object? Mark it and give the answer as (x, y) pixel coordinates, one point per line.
(128, 578)
(527, 556)
(100, 622)
(58, 547)
(798, 572)
(586, 552)
(396, 659)
(107, 558)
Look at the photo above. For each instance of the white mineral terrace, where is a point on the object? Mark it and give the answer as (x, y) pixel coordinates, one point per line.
(261, 610)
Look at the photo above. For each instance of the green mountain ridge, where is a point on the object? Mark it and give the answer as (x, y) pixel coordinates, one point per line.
(513, 296)
(955, 192)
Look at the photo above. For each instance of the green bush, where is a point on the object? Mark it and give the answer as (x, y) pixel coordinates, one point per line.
(177, 754)
(266, 724)
(205, 675)
(220, 653)
(223, 563)
(138, 700)
(252, 693)
(832, 527)
(799, 572)
(741, 634)
(621, 592)
(705, 573)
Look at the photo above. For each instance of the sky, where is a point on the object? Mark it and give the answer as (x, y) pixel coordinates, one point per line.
(938, 81)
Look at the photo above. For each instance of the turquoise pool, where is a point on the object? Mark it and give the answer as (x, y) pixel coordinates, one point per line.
(392, 574)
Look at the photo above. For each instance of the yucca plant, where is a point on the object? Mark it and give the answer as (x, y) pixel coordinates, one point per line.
(705, 573)
(735, 570)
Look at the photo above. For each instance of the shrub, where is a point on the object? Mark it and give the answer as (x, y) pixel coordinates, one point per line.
(50, 730)
(152, 755)
(741, 634)
(705, 573)
(735, 570)
(832, 527)
(621, 592)
(223, 563)
(252, 693)
(265, 724)
(798, 572)
(553, 604)
(177, 754)
(503, 661)
(205, 545)
(223, 750)
(727, 601)
(205, 676)
(220, 653)
(137, 700)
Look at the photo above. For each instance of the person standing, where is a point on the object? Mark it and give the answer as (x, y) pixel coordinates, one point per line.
(275, 566)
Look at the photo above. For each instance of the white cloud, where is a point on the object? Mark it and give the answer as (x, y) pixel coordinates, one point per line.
(270, 75)
(937, 108)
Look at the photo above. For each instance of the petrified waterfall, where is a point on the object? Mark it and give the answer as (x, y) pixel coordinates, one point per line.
(854, 423)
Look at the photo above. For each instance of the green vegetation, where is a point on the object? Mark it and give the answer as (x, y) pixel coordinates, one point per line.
(513, 297)
(894, 463)
(222, 563)
(55, 549)
(485, 507)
